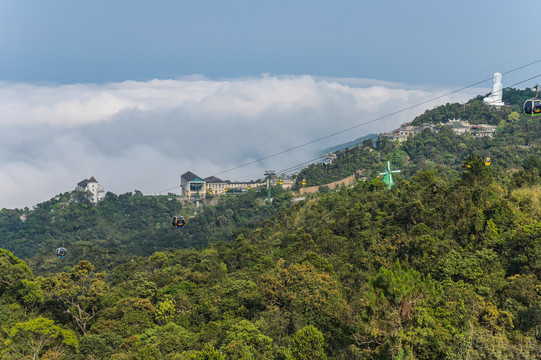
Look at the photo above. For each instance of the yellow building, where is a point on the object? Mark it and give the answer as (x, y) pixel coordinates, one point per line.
(194, 187)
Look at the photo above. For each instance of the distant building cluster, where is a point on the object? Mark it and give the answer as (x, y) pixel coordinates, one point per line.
(478, 131)
(405, 131)
(97, 193)
(195, 187)
(458, 126)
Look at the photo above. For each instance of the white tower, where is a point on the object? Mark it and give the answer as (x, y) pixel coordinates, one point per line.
(495, 97)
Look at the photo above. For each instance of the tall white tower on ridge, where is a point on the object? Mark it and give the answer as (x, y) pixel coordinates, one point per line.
(495, 97)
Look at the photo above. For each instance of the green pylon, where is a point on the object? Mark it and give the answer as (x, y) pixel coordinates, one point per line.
(388, 175)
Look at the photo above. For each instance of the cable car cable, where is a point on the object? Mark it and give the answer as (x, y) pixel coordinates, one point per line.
(376, 119)
(365, 123)
(375, 137)
(359, 125)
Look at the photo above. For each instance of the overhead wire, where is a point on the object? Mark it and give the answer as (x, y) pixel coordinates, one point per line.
(301, 164)
(376, 136)
(369, 122)
(372, 121)
(294, 167)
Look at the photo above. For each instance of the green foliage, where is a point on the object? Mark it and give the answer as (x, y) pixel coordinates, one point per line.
(307, 344)
(169, 339)
(300, 288)
(446, 265)
(124, 226)
(245, 341)
(476, 173)
(99, 347)
(390, 304)
(135, 314)
(165, 311)
(79, 292)
(28, 293)
(208, 353)
(39, 337)
(12, 271)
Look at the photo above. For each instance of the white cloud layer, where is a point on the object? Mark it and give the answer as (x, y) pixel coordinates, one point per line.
(143, 135)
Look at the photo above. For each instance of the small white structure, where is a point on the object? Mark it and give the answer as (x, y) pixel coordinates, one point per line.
(91, 185)
(495, 97)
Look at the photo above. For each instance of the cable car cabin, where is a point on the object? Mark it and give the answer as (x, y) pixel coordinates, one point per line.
(61, 252)
(178, 222)
(488, 161)
(532, 107)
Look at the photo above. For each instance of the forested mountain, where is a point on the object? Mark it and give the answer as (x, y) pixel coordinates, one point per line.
(517, 137)
(123, 227)
(444, 265)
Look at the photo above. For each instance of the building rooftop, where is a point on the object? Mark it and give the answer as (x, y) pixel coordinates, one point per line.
(85, 182)
(190, 176)
(213, 179)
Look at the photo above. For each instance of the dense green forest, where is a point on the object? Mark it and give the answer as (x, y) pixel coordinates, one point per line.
(445, 265)
(123, 227)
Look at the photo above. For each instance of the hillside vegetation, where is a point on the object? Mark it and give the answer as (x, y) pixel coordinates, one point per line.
(124, 227)
(445, 265)
(517, 137)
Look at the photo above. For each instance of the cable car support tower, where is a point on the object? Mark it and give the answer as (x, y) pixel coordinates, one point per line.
(268, 175)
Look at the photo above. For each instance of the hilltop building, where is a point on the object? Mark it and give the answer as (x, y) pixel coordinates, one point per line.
(215, 185)
(405, 131)
(477, 131)
(93, 187)
(194, 187)
(483, 130)
(457, 125)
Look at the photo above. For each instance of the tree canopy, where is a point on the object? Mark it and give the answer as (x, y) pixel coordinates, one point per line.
(444, 265)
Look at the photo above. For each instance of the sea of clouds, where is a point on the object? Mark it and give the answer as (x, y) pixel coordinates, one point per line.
(143, 135)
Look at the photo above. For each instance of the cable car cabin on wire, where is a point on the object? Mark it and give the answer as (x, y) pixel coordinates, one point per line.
(532, 107)
(61, 252)
(178, 222)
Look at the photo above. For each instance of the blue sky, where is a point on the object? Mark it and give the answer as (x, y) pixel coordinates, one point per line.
(136, 93)
(401, 41)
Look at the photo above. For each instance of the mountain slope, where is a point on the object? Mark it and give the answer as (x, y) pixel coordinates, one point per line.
(123, 227)
(431, 269)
